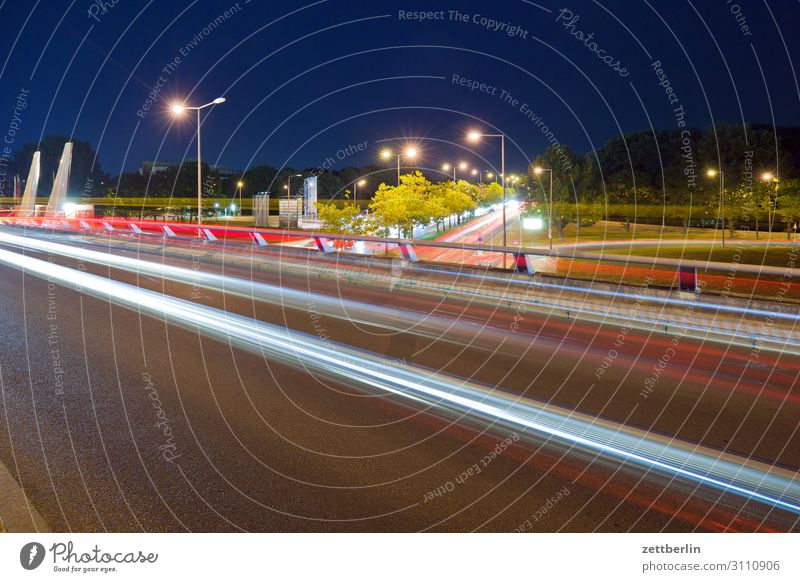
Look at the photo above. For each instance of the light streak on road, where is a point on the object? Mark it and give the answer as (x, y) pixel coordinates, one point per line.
(131, 264)
(379, 316)
(697, 303)
(752, 479)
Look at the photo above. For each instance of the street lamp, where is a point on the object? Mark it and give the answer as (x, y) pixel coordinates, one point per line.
(240, 185)
(447, 168)
(289, 184)
(463, 166)
(410, 153)
(356, 184)
(538, 171)
(475, 136)
(711, 173)
(481, 174)
(769, 178)
(178, 109)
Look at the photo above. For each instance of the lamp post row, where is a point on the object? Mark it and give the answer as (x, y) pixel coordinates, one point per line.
(410, 153)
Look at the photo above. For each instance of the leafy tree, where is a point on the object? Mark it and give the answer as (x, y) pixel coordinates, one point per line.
(263, 178)
(566, 168)
(128, 185)
(436, 204)
(180, 181)
(387, 210)
(453, 199)
(329, 185)
(788, 205)
(404, 206)
(341, 220)
(490, 194)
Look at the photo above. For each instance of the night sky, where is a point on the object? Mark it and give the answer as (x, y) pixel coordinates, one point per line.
(307, 81)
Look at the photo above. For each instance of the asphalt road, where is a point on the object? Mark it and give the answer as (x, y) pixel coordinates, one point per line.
(135, 424)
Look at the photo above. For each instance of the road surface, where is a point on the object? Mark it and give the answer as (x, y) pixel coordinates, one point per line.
(121, 421)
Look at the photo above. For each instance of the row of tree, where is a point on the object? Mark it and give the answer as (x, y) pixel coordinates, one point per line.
(416, 201)
(675, 177)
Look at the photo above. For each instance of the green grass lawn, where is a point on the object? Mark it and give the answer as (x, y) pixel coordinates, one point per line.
(774, 256)
(615, 231)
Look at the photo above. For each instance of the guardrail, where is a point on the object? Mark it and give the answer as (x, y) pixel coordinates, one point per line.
(523, 257)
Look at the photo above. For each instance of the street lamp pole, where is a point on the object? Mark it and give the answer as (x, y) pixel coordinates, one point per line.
(355, 189)
(463, 166)
(503, 169)
(549, 205)
(769, 179)
(410, 153)
(722, 203)
(713, 173)
(550, 213)
(199, 174)
(177, 110)
(240, 185)
(289, 184)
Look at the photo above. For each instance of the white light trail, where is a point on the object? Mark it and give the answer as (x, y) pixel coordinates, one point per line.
(363, 313)
(746, 477)
(349, 310)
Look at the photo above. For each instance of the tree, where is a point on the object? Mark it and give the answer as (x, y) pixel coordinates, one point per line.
(387, 210)
(490, 194)
(788, 205)
(329, 185)
(404, 206)
(341, 220)
(566, 168)
(436, 204)
(448, 199)
(128, 185)
(263, 178)
(180, 181)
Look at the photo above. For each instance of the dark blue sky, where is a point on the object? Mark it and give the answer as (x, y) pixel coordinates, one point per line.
(305, 80)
